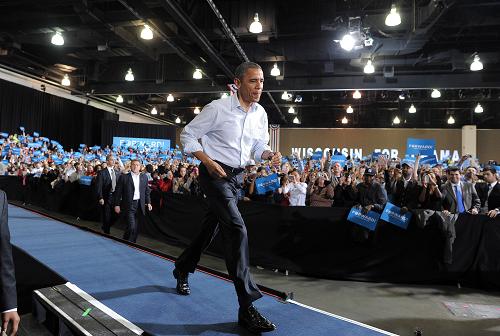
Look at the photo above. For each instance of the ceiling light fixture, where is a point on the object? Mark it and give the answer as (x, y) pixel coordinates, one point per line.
(451, 120)
(57, 39)
(369, 68)
(435, 93)
(255, 26)
(393, 18)
(196, 110)
(412, 109)
(396, 120)
(197, 74)
(170, 98)
(402, 96)
(154, 110)
(146, 33)
(476, 65)
(177, 120)
(119, 99)
(347, 42)
(65, 81)
(349, 109)
(291, 110)
(356, 94)
(275, 71)
(129, 77)
(478, 109)
(296, 120)
(344, 120)
(286, 96)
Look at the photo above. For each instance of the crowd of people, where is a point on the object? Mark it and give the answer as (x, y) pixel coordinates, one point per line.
(303, 181)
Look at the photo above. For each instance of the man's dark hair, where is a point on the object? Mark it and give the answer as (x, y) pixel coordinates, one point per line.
(452, 170)
(243, 67)
(109, 156)
(491, 169)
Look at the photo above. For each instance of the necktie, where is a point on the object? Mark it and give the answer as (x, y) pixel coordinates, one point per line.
(113, 180)
(460, 200)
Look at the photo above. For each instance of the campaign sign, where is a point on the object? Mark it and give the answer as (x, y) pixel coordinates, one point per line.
(35, 145)
(392, 214)
(85, 180)
(36, 134)
(340, 159)
(368, 220)
(16, 151)
(317, 156)
(4, 135)
(136, 142)
(420, 146)
(429, 160)
(267, 183)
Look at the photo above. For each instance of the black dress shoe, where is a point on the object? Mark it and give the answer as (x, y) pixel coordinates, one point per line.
(250, 319)
(182, 282)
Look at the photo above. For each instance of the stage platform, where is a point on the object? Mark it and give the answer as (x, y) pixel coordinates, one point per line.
(139, 285)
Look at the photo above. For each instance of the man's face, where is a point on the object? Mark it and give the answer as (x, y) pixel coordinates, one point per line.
(489, 177)
(336, 168)
(454, 177)
(110, 162)
(407, 170)
(250, 86)
(135, 167)
(182, 172)
(471, 171)
(368, 179)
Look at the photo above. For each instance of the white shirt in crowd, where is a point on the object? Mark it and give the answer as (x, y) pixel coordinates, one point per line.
(297, 193)
(228, 134)
(135, 178)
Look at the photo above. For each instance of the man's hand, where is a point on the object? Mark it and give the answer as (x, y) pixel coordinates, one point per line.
(474, 211)
(367, 208)
(13, 319)
(214, 169)
(101, 201)
(404, 210)
(446, 213)
(492, 213)
(275, 159)
(150, 207)
(117, 209)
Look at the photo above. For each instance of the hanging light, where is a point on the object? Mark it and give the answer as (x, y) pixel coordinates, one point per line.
(476, 65)
(196, 110)
(291, 110)
(154, 110)
(451, 120)
(402, 96)
(197, 74)
(356, 94)
(170, 98)
(224, 95)
(129, 77)
(347, 42)
(478, 109)
(369, 68)
(255, 26)
(396, 120)
(57, 39)
(435, 93)
(393, 18)
(177, 120)
(344, 120)
(119, 99)
(412, 109)
(65, 81)
(349, 109)
(275, 71)
(296, 120)
(286, 96)
(146, 33)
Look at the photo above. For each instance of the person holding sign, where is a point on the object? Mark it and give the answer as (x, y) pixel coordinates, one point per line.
(232, 131)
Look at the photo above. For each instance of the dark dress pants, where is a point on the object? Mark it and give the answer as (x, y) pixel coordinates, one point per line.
(133, 216)
(225, 216)
(108, 214)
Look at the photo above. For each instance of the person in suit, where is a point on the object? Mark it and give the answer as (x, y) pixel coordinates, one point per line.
(132, 195)
(489, 192)
(105, 186)
(459, 196)
(8, 295)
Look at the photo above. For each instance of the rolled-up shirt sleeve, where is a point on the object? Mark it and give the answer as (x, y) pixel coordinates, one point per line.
(197, 128)
(261, 144)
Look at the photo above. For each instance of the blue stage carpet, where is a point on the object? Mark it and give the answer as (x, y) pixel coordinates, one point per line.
(140, 287)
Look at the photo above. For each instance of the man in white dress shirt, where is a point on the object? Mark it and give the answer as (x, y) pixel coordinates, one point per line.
(232, 131)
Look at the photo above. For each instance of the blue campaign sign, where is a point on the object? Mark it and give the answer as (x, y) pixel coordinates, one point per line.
(317, 156)
(375, 155)
(368, 220)
(340, 159)
(392, 214)
(420, 146)
(267, 183)
(4, 135)
(85, 180)
(16, 151)
(430, 160)
(35, 145)
(137, 142)
(58, 161)
(21, 128)
(36, 134)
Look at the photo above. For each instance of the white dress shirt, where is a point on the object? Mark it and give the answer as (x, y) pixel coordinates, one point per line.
(135, 178)
(228, 134)
(297, 193)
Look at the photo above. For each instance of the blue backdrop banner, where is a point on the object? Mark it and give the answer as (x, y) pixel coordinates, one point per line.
(392, 214)
(136, 142)
(368, 220)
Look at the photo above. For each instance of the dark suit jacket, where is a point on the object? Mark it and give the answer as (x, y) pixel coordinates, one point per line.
(469, 195)
(124, 192)
(372, 194)
(493, 199)
(103, 184)
(8, 296)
